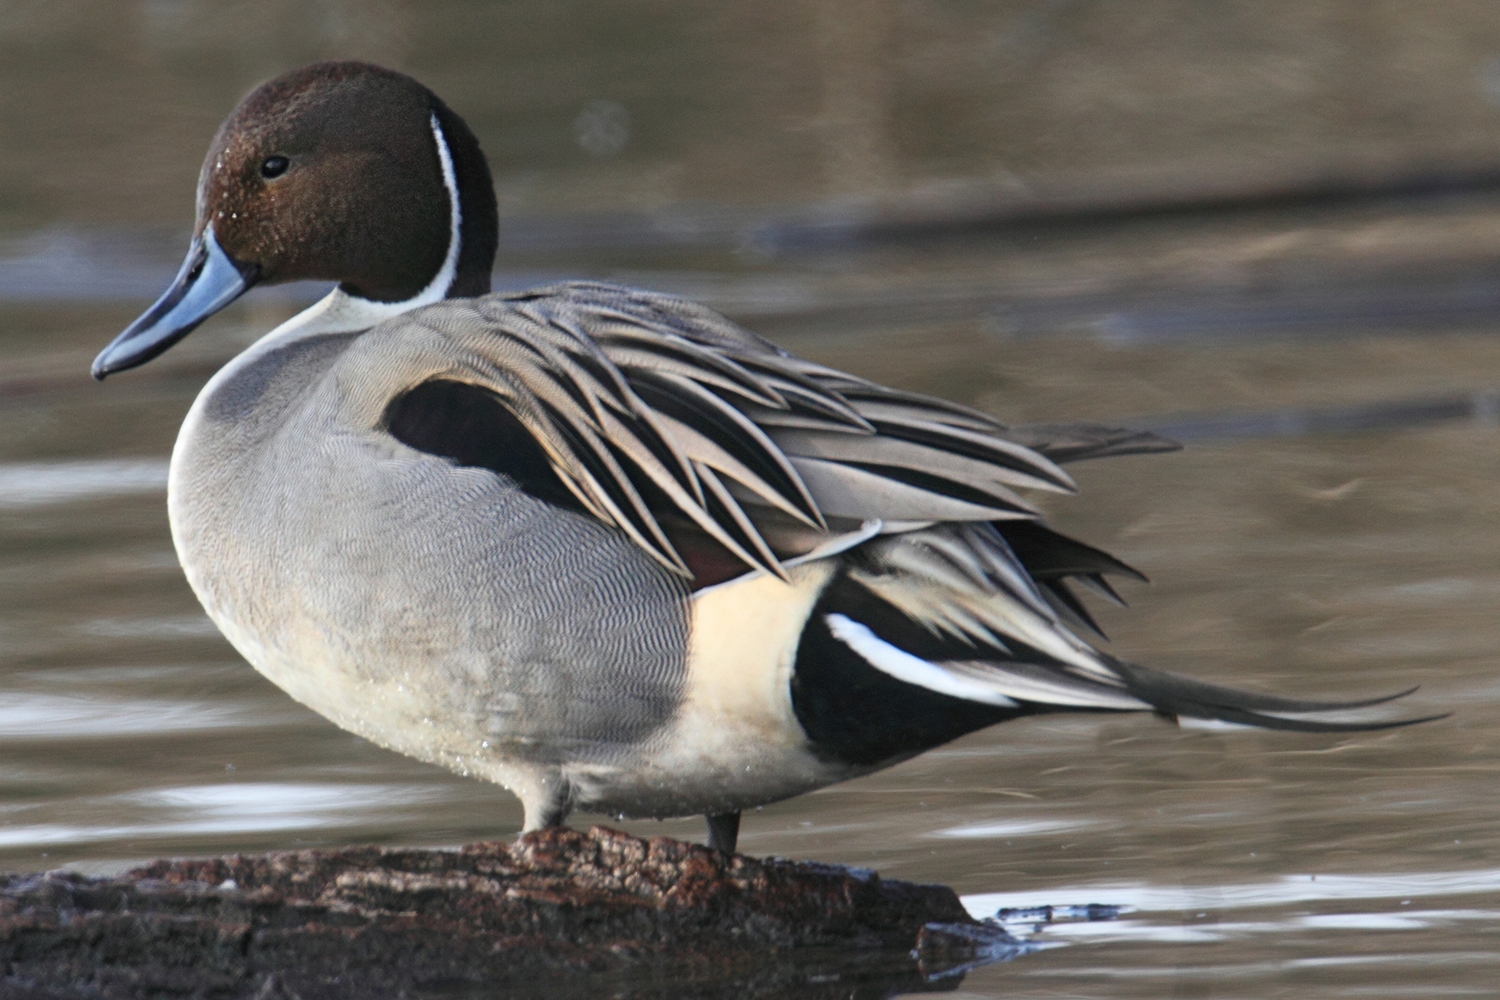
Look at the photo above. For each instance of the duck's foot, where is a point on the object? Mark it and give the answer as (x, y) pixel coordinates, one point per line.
(723, 831)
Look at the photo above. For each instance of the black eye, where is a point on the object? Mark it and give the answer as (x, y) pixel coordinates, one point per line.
(274, 166)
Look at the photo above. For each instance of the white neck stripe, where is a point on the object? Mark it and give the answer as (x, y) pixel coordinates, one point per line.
(440, 284)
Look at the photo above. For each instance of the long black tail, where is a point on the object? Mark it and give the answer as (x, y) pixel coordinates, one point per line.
(1176, 696)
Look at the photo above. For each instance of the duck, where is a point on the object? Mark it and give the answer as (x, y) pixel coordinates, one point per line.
(599, 545)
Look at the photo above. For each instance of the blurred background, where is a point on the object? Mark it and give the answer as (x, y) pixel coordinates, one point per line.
(1270, 229)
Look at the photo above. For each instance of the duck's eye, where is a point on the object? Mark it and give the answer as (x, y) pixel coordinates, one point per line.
(274, 166)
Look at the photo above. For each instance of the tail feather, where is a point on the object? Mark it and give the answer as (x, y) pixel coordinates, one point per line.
(1077, 442)
(1173, 695)
(1048, 554)
(884, 671)
(1260, 721)
(949, 610)
(1066, 603)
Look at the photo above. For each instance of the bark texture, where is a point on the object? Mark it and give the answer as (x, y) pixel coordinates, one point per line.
(601, 912)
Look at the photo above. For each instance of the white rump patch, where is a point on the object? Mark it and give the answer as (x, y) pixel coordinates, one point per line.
(911, 669)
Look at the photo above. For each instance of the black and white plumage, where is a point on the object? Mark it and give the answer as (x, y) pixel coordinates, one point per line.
(599, 545)
(747, 459)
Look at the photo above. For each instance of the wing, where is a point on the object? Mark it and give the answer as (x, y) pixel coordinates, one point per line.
(719, 454)
(665, 420)
(1076, 442)
(953, 610)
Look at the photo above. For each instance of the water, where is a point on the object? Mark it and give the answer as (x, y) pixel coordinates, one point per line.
(1331, 530)
(1244, 862)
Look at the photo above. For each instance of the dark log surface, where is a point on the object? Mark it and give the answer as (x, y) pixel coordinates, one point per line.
(601, 912)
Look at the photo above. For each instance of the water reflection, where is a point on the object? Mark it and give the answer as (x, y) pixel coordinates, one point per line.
(1331, 531)
(26, 715)
(1012, 828)
(182, 626)
(1406, 923)
(27, 484)
(216, 810)
(1282, 891)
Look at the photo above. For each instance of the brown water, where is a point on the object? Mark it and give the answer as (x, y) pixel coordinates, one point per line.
(1249, 863)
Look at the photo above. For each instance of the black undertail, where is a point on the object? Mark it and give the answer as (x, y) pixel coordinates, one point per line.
(856, 714)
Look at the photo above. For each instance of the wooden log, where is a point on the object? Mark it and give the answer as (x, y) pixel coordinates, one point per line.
(560, 912)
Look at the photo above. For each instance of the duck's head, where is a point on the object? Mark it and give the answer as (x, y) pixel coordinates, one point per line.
(338, 171)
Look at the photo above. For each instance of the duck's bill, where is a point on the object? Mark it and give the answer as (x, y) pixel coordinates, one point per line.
(209, 280)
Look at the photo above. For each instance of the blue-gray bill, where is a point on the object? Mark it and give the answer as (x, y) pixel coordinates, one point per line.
(208, 281)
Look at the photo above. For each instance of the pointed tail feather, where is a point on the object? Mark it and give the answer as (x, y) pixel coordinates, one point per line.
(1173, 695)
(1280, 722)
(1076, 442)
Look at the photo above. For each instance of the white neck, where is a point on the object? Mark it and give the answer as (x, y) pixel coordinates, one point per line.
(340, 312)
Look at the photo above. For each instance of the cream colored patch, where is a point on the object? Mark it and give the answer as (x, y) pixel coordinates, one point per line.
(742, 648)
(735, 742)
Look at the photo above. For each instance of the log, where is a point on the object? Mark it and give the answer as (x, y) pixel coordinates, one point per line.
(559, 912)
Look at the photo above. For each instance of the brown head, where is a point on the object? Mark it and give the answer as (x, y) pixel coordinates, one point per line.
(337, 171)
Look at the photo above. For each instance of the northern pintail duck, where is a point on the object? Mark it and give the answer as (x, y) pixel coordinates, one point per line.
(599, 545)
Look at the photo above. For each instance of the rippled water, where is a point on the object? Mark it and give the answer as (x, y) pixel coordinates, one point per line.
(1242, 863)
(1331, 530)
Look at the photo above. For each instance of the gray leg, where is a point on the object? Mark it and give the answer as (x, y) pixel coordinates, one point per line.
(723, 831)
(547, 802)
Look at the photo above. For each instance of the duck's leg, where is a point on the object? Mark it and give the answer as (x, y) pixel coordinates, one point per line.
(723, 831)
(547, 802)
